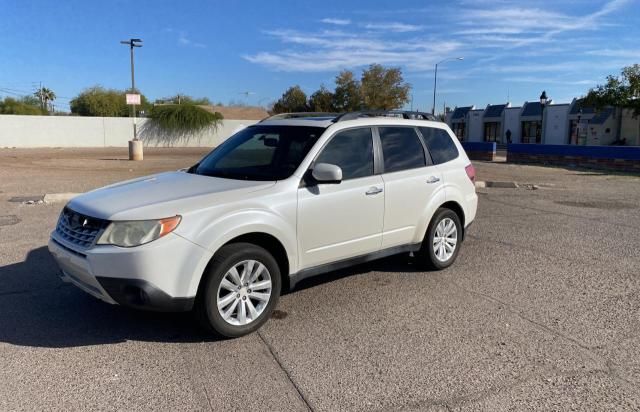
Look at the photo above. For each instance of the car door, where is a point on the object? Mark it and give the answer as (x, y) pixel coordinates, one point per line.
(410, 180)
(343, 220)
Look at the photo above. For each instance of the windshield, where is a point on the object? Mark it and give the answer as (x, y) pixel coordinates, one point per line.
(260, 153)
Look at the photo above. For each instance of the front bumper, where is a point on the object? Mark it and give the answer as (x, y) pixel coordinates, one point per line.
(157, 276)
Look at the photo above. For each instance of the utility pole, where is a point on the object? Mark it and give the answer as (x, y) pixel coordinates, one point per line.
(135, 146)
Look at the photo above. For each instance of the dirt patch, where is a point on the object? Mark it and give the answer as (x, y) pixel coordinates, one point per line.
(24, 199)
(594, 204)
(279, 314)
(9, 220)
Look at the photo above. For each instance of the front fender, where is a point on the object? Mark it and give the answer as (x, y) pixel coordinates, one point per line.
(228, 227)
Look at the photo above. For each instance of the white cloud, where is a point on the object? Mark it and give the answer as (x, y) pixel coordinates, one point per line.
(622, 53)
(335, 50)
(547, 80)
(485, 32)
(337, 22)
(393, 27)
(184, 40)
(521, 26)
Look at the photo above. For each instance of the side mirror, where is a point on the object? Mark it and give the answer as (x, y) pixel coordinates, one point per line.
(327, 173)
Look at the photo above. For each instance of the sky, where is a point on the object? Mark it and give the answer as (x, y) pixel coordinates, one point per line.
(251, 51)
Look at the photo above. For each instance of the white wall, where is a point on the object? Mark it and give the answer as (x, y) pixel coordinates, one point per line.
(77, 131)
(630, 128)
(597, 133)
(512, 122)
(556, 124)
(475, 126)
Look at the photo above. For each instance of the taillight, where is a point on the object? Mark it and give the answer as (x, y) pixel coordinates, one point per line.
(471, 172)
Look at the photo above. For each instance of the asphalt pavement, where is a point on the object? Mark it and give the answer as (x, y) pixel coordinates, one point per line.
(540, 311)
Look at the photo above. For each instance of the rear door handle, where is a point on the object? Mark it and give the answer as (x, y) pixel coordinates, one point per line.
(433, 179)
(373, 191)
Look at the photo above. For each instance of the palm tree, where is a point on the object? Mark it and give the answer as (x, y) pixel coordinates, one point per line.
(46, 96)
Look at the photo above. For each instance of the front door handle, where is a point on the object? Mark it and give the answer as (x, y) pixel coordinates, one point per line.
(433, 179)
(373, 191)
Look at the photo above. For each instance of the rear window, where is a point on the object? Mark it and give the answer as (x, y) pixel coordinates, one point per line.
(440, 145)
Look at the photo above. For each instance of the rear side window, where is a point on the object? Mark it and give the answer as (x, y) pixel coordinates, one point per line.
(440, 145)
(352, 150)
(401, 149)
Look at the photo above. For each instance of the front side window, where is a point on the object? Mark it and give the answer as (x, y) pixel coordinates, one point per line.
(260, 153)
(352, 150)
(439, 144)
(401, 149)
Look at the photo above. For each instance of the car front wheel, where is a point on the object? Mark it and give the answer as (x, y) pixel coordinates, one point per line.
(442, 242)
(241, 290)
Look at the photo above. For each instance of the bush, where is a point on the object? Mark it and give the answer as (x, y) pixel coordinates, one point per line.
(178, 124)
(25, 106)
(184, 118)
(98, 101)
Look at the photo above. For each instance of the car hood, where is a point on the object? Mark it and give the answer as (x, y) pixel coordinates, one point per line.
(161, 195)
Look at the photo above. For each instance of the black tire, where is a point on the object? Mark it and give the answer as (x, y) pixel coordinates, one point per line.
(427, 255)
(206, 310)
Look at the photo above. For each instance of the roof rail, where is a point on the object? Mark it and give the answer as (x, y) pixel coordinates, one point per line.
(405, 114)
(299, 115)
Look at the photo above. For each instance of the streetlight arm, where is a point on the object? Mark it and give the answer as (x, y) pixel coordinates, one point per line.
(435, 80)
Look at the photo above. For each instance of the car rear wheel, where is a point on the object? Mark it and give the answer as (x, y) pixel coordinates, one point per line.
(442, 241)
(241, 289)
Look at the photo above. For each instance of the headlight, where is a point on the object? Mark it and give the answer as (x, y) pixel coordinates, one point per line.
(137, 232)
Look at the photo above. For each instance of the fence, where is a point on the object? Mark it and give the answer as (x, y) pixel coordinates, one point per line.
(623, 158)
(480, 150)
(76, 131)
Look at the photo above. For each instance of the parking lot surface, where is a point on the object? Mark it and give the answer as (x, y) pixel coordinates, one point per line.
(540, 311)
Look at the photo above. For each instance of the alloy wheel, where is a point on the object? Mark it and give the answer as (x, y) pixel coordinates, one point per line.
(445, 239)
(244, 292)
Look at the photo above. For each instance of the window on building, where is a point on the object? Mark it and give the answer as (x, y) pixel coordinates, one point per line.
(532, 132)
(491, 131)
(401, 149)
(459, 130)
(352, 150)
(440, 144)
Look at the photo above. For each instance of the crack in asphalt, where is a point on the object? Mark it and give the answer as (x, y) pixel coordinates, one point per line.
(287, 374)
(194, 372)
(556, 212)
(609, 367)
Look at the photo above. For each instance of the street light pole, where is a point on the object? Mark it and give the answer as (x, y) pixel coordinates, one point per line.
(435, 81)
(543, 104)
(135, 147)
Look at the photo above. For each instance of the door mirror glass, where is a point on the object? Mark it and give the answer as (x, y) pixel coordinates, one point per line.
(327, 173)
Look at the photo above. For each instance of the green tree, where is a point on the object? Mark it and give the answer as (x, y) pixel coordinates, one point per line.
(321, 100)
(27, 105)
(293, 100)
(98, 101)
(184, 99)
(347, 96)
(619, 91)
(383, 89)
(46, 96)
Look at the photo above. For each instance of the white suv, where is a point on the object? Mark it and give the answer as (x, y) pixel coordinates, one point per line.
(279, 201)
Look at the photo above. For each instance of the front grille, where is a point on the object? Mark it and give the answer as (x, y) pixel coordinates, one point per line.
(79, 229)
